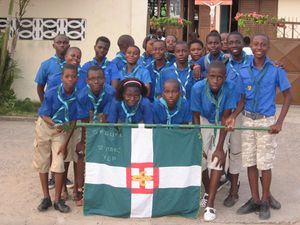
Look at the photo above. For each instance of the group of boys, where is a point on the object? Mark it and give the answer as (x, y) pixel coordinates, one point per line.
(216, 84)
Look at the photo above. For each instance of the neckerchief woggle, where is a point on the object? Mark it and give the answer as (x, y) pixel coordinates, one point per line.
(133, 72)
(183, 86)
(256, 83)
(129, 115)
(216, 103)
(59, 61)
(103, 64)
(96, 102)
(169, 115)
(65, 106)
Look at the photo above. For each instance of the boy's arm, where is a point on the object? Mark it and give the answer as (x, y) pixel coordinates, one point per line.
(48, 120)
(230, 121)
(80, 147)
(196, 118)
(63, 148)
(219, 152)
(287, 98)
(40, 91)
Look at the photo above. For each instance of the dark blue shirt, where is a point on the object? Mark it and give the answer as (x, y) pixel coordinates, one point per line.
(138, 72)
(145, 60)
(119, 61)
(207, 59)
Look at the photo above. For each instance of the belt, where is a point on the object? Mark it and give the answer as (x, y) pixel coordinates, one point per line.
(254, 116)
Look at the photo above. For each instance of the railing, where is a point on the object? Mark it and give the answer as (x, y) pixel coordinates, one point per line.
(288, 30)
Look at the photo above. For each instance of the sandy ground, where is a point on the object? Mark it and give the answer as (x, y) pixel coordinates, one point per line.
(21, 193)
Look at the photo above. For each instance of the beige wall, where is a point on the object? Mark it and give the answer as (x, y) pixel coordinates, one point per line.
(110, 18)
(289, 9)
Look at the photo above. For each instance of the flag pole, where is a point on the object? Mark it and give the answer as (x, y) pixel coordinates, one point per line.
(190, 126)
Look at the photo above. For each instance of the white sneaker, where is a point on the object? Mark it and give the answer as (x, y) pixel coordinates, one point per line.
(209, 214)
(203, 201)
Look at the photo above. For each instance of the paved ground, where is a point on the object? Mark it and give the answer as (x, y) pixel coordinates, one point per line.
(20, 190)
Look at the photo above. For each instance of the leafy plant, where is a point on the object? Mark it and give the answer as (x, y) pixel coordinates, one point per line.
(161, 22)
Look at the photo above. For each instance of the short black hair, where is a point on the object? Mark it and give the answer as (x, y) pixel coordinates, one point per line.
(61, 35)
(171, 35)
(73, 48)
(235, 33)
(181, 43)
(134, 46)
(262, 35)
(68, 67)
(95, 68)
(174, 81)
(130, 82)
(196, 41)
(247, 40)
(148, 38)
(160, 41)
(213, 34)
(124, 41)
(219, 65)
(103, 39)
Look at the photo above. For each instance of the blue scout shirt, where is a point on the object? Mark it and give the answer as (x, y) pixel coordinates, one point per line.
(55, 80)
(155, 77)
(204, 102)
(106, 66)
(119, 61)
(259, 87)
(233, 72)
(142, 113)
(184, 77)
(170, 57)
(87, 101)
(48, 68)
(145, 60)
(54, 105)
(207, 59)
(137, 72)
(181, 114)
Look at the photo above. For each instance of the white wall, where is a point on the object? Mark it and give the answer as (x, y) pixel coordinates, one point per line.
(289, 9)
(110, 18)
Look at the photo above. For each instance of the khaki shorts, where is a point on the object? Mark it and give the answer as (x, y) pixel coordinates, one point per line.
(258, 147)
(235, 148)
(75, 138)
(47, 141)
(209, 146)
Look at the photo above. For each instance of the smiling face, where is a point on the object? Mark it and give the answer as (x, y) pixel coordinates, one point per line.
(101, 49)
(131, 96)
(73, 56)
(215, 78)
(132, 55)
(171, 93)
(96, 80)
(235, 44)
(260, 46)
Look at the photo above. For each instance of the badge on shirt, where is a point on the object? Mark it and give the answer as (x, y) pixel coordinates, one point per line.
(249, 87)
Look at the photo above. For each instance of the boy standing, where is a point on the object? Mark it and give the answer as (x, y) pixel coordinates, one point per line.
(58, 109)
(260, 81)
(212, 100)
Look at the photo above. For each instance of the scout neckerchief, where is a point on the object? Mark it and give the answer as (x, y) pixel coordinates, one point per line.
(103, 64)
(169, 115)
(183, 86)
(216, 103)
(256, 83)
(157, 73)
(96, 102)
(129, 115)
(65, 106)
(207, 60)
(144, 58)
(121, 56)
(59, 61)
(245, 59)
(133, 72)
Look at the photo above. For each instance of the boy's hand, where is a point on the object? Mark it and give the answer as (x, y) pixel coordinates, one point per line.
(80, 148)
(276, 128)
(278, 64)
(219, 153)
(197, 72)
(63, 150)
(58, 127)
(229, 123)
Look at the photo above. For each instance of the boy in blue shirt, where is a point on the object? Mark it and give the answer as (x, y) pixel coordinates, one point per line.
(147, 57)
(157, 65)
(213, 45)
(180, 70)
(101, 49)
(58, 109)
(171, 108)
(212, 100)
(93, 104)
(132, 69)
(259, 82)
(171, 41)
(131, 104)
(52, 65)
(197, 50)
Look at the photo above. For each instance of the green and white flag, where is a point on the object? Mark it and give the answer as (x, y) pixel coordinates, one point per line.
(138, 172)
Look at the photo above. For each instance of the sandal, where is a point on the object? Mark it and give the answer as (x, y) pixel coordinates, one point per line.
(209, 214)
(79, 201)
